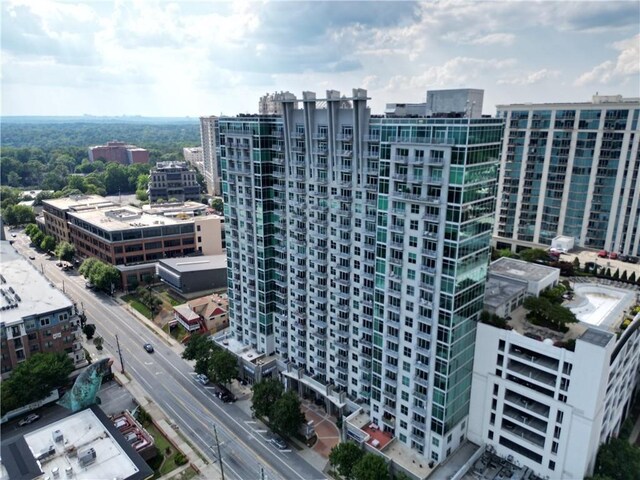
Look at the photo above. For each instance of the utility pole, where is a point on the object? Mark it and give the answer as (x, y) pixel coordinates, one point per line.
(120, 355)
(215, 434)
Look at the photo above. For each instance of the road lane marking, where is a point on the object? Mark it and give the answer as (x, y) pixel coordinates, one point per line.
(113, 317)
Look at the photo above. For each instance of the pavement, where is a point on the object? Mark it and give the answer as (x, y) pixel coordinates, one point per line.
(159, 418)
(585, 256)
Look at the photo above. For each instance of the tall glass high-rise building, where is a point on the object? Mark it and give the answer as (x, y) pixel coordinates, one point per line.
(358, 248)
(571, 169)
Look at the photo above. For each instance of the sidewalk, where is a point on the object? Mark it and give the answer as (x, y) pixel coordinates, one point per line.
(162, 422)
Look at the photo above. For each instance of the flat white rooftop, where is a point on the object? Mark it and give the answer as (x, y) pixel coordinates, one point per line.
(599, 305)
(81, 431)
(24, 286)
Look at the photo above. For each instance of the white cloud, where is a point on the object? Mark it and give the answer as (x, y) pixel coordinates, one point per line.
(530, 78)
(457, 71)
(627, 64)
(494, 39)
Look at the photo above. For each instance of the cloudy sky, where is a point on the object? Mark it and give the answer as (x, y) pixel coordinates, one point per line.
(162, 58)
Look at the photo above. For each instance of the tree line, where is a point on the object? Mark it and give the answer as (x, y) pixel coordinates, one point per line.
(54, 135)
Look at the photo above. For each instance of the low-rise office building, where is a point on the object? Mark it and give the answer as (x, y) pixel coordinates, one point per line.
(546, 400)
(173, 180)
(55, 220)
(510, 281)
(536, 277)
(36, 317)
(194, 276)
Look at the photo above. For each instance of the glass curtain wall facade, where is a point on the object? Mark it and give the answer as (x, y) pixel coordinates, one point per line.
(570, 169)
(374, 234)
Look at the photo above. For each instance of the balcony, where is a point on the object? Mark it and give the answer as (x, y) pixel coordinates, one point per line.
(345, 153)
(372, 138)
(429, 253)
(424, 382)
(431, 218)
(344, 137)
(320, 136)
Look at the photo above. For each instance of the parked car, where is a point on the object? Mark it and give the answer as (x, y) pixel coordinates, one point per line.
(202, 379)
(223, 393)
(613, 256)
(603, 254)
(28, 419)
(148, 347)
(556, 251)
(632, 259)
(623, 258)
(88, 285)
(278, 442)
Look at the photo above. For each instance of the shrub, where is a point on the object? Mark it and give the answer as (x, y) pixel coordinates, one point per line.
(179, 459)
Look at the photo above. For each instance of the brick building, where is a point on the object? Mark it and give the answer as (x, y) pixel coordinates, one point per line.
(119, 152)
(36, 317)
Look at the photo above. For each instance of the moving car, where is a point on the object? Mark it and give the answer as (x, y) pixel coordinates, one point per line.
(28, 419)
(278, 442)
(32, 257)
(202, 379)
(148, 347)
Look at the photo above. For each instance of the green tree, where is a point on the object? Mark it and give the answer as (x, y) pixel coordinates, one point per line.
(33, 379)
(265, 395)
(616, 275)
(200, 348)
(286, 416)
(18, 215)
(623, 277)
(618, 460)
(31, 229)
(142, 195)
(576, 263)
(223, 366)
(89, 330)
(217, 204)
(102, 275)
(65, 251)
(37, 238)
(197, 346)
(371, 467)
(632, 277)
(344, 456)
(533, 254)
(115, 179)
(48, 243)
(98, 342)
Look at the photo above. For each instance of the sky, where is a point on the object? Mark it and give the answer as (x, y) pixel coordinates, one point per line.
(194, 58)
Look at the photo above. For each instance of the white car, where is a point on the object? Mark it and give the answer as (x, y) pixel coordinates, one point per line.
(202, 379)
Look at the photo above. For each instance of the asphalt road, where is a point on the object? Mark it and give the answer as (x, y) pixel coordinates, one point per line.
(168, 381)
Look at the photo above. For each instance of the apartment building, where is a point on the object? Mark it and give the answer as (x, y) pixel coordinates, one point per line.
(173, 181)
(547, 406)
(193, 156)
(570, 169)
(358, 249)
(119, 152)
(210, 140)
(36, 317)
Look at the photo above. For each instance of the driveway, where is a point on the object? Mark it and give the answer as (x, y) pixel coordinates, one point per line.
(326, 429)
